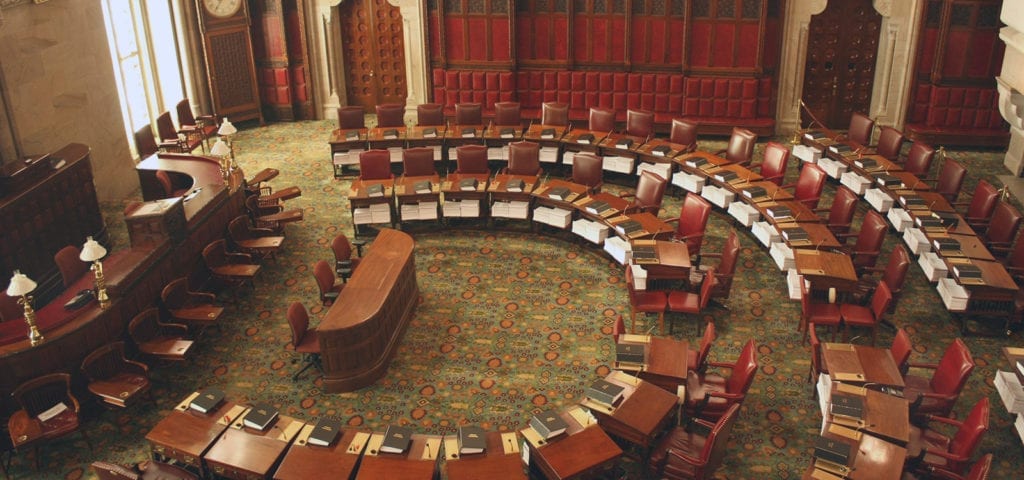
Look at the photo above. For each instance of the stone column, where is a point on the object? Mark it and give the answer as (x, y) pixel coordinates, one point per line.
(1010, 83)
(327, 73)
(794, 58)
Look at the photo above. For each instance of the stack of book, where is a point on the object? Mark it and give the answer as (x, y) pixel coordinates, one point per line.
(597, 207)
(375, 190)
(556, 217)
(548, 155)
(847, 409)
(815, 135)
(396, 439)
(793, 235)
(933, 266)
(586, 138)
(887, 180)
(855, 182)
(954, 296)
(559, 193)
(507, 133)
(726, 176)
(468, 132)
(207, 400)
(472, 439)
(833, 168)
(260, 416)
(594, 232)
(605, 393)
(547, 133)
(430, 132)
(661, 150)
(645, 254)
(779, 212)
(948, 219)
(840, 148)
(663, 170)
(913, 202)
(783, 256)
(947, 246)
(688, 181)
(916, 241)
(390, 134)
(928, 222)
(548, 424)
(629, 227)
(515, 185)
(624, 143)
(878, 199)
(422, 186)
(468, 184)
(755, 193)
(696, 162)
(513, 209)
(744, 213)
(832, 456)
(629, 353)
(324, 432)
(765, 233)
(866, 163)
(352, 135)
(968, 274)
(617, 163)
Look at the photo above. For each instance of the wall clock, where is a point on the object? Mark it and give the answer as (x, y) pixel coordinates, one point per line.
(222, 8)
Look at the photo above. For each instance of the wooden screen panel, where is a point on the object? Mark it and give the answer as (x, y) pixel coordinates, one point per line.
(542, 32)
(658, 29)
(727, 35)
(477, 31)
(390, 43)
(972, 48)
(434, 33)
(599, 32)
(233, 78)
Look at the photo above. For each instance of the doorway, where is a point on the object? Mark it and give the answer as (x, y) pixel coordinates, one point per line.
(374, 53)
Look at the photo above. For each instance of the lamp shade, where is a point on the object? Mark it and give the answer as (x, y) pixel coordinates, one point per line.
(226, 128)
(20, 285)
(220, 149)
(92, 251)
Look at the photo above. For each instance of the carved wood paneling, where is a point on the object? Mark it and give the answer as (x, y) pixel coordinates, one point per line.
(374, 52)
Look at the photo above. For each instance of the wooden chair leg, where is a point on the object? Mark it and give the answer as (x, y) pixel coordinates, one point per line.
(661, 322)
(632, 321)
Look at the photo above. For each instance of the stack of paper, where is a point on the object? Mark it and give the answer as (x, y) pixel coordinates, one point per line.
(783, 256)
(361, 216)
(916, 241)
(832, 168)
(954, 295)
(765, 233)
(470, 208)
(350, 157)
(1019, 425)
(718, 196)
(409, 211)
(618, 248)
(451, 208)
(933, 266)
(688, 181)
(512, 209)
(498, 153)
(451, 154)
(793, 280)
(807, 154)
(556, 217)
(878, 199)
(396, 154)
(1010, 391)
(380, 213)
(743, 213)
(594, 232)
(549, 154)
(664, 170)
(900, 219)
(437, 153)
(855, 182)
(639, 276)
(615, 163)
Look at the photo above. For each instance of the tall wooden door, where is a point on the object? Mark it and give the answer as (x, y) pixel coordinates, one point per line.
(840, 67)
(374, 52)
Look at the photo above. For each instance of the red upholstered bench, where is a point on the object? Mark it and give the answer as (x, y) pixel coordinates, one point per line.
(719, 104)
(957, 116)
(472, 86)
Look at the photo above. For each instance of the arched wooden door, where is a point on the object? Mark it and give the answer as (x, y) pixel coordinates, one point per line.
(374, 52)
(840, 69)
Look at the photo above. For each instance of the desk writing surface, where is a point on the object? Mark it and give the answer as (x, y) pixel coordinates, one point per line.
(304, 460)
(534, 133)
(406, 186)
(572, 138)
(188, 434)
(743, 178)
(665, 362)
(250, 451)
(711, 158)
(494, 462)
(970, 246)
(882, 164)
(773, 192)
(873, 457)
(611, 139)
(849, 363)
(339, 136)
(494, 132)
(409, 465)
(359, 188)
(647, 150)
(417, 133)
(673, 260)
(641, 415)
(999, 284)
(651, 226)
(455, 133)
(577, 452)
(801, 212)
(577, 191)
(826, 269)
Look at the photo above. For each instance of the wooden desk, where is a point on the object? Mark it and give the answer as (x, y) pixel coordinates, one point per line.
(885, 416)
(743, 179)
(818, 236)
(500, 460)
(647, 153)
(405, 194)
(970, 246)
(712, 160)
(826, 269)
(673, 260)
(499, 191)
(452, 193)
(242, 452)
(419, 462)
(664, 360)
(651, 226)
(571, 140)
(860, 364)
(386, 137)
(577, 192)
(643, 413)
(773, 192)
(361, 331)
(502, 134)
(304, 461)
(359, 199)
(535, 134)
(185, 435)
(873, 458)
(800, 212)
(1013, 355)
(580, 452)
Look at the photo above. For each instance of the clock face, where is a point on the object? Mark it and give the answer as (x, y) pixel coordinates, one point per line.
(222, 8)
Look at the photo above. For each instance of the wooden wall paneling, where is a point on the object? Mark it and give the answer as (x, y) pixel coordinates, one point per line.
(658, 28)
(270, 47)
(542, 33)
(727, 36)
(600, 33)
(298, 60)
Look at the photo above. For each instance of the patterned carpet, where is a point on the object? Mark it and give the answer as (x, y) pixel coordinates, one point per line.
(509, 322)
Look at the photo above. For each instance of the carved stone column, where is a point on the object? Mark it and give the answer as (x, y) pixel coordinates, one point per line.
(415, 37)
(794, 58)
(1010, 83)
(327, 72)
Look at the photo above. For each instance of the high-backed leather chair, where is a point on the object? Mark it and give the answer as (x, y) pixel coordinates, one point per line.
(644, 301)
(689, 453)
(890, 141)
(190, 307)
(930, 449)
(70, 265)
(418, 162)
(773, 167)
(158, 339)
(684, 132)
(900, 350)
(709, 396)
(468, 114)
(375, 165)
(523, 159)
(639, 123)
(203, 125)
(697, 360)
(861, 127)
(726, 268)
(919, 159)
(692, 222)
(344, 261)
(329, 288)
(507, 114)
(586, 170)
(351, 117)
(650, 190)
(809, 185)
(39, 395)
(429, 115)
(741, 146)
(1002, 229)
(147, 470)
(168, 133)
(113, 379)
(554, 113)
(692, 303)
(894, 275)
(979, 471)
(817, 364)
(938, 395)
(868, 247)
(982, 204)
(951, 178)
(145, 142)
(229, 267)
(304, 339)
(271, 215)
(601, 119)
(472, 160)
(860, 316)
(840, 214)
(390, 115)
(258, 242)
(817, 312)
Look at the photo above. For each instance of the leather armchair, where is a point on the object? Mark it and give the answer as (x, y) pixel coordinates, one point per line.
(523, 159)
(554, 113)
(690, 303)
(939, 394)
(982, 204)
(418, 162)
(741, 146)
(928, 449)
(861, 127)
(344, 263)
(587, 170)
(683, 454)
(692, 223)
(187, 140)
(390, 115)
(329, 288)
(271, 215)
(900, 350)
(204, 125)
(113, 379)
(472, 160)
(894, 275)
(840, 213)
(229, 267)
(39, 395)
(890, 142)
(684, 132)
(773, 167)
(429, 115)
(919, 159)
(710, 396)
(854, 315)
(817, 365)
(650, 190)
(868, 247)
(188, 306)
(726, 268)
(639, 123)
(468, 114)
(508, 114)
(71, 267)
(645, 301)
(808, 186)
(260, 242)
(375, 165)
(304, 339)
(160, 340)
(697, 360)
(1002, 229)
(979, 471)
(817, 313)
(351, 117)
(145, 142)
(601, 119)
(951, 178)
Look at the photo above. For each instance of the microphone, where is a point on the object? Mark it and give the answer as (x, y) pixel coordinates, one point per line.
(816, 247)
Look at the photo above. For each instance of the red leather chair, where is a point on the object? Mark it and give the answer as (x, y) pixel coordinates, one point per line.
(692, 223)
(938, 394)
(258, 242)
(169, 134)
(645, 301)
(818, 313)
(586, 170)
(690, 303)
(429, 115)
(375, 165)
(840, 214)
(919, 159)
(391, 115)
(344, 263)
(684, 132)
(71, 267)
(601, 119)
(726, 268)
(468, 114)
(894, 275)
(472, 160)
(982, 204)
(900, 350)
(854, 315)
(861, 127)
(809, 185)
(868, 247)
(229, 267)
(189, 307)
(929, 449)
(618, 329)
(686, 454)
(523, 159)
(741, 146)
(170, 190)
(508, 114)
(773, 167)
(304, 339)
(39, 395)
(113, 379)
(145, 142)
(639, 123)
(1002, 229)
(709, 396)
(951, 178)
(418, 162)
(350, 117)
(817, 365)
(979, 471)
(890, 142)
(157, 339)
(205, 126)
(697, 360)
(329, 288)
(554, 113)
(650, 190)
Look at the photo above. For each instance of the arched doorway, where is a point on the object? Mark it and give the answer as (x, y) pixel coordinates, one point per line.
(373, 51)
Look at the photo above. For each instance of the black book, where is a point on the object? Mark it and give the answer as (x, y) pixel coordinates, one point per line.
(375, 190)
(472, 439)
(468, 132)
(726, 176)
(815, 135)
(597, 206)
(467, 184)
(422, 186)
(779, 211)
(630, 226)
(662, 150)
(629, 353)
(547, 133)
(755, 192)
(944, 245)
(396, 439)
(912, 201)
(515, 185)
(696, 162)
(645, 252)
(429, 132)
(949, 219)
(324, 432)
(840, 148)
(967, 270)
(623, 143)
(548, 424)
(795, 234)
(352, 135)
(851, 406)
(832, 450)
(507, 133)
(260, 416)
(928, 222)
(866, 163)
(207, 400)
(559, 193)
(887, 180)
(585, 138)
(390, 134)
(605, 392)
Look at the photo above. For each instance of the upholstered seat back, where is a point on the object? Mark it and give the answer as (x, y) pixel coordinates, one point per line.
(717, 445)
(554, 113)
(145, 326)
(727, 265)
(71, 267)
(601, 119)
(507, 114)
(693, 221)
(468, 114)
(860, 128)
(1004, 225)
(391, 115)
(524, 158)
(869, 241)
(650, 190)
(104, 362)
(639, 123)
(744, 370)
(145, 142)
(586, 170)
(683, 132)
(375, 165)
(471, 159)
(776, 159)
(900, 350)
(890, 141)
(175, 294)
(951, 178)
(983, 202)
(41, 393)
(418, 162)
(350, 117)
(970, 433)
(741, 145)
(705, 347)
(298, 321)
(919, 159)
(844, 206)
(429, 115)
(954, 368)
(809, 185)
(896, 270)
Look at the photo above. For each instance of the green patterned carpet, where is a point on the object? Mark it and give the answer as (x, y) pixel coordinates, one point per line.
(509, 322)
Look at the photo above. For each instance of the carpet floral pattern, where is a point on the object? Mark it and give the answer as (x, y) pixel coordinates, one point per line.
(509, 322)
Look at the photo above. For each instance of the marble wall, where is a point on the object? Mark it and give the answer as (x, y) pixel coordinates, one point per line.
(1010, 83)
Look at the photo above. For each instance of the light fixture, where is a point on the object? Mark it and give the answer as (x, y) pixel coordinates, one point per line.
(221, 149)
(92, 251)
(22, 286)
(226, 130)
